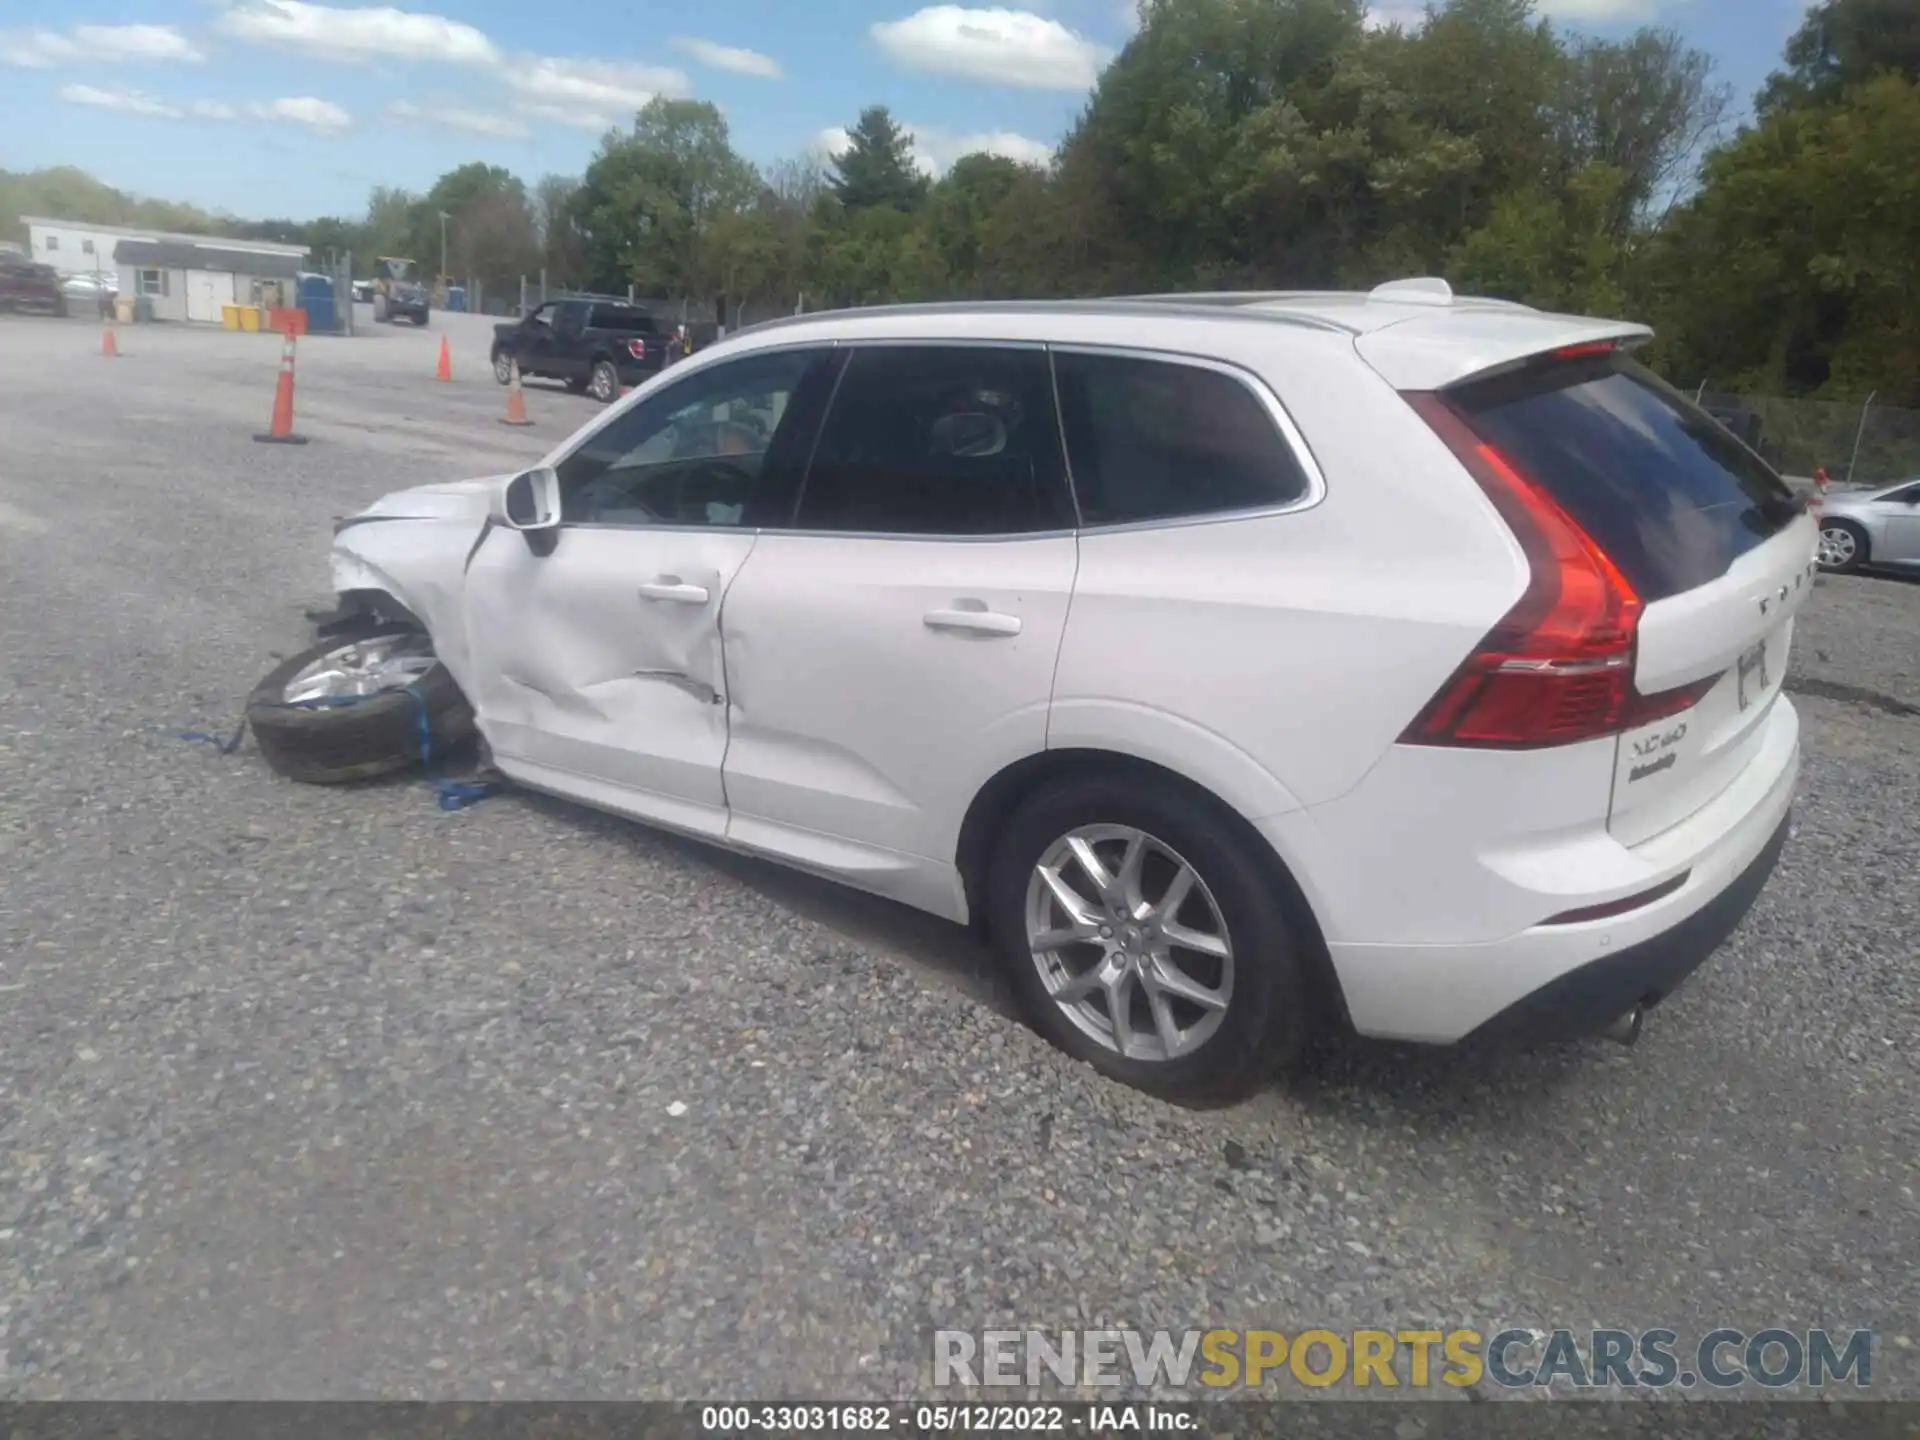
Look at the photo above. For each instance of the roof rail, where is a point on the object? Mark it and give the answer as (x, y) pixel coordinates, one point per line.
(1122, 304)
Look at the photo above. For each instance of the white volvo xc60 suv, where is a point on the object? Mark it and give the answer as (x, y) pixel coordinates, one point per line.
(1243, 664)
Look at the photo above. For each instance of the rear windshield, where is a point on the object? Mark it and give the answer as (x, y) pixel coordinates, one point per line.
(619, 317)
(1670, 496)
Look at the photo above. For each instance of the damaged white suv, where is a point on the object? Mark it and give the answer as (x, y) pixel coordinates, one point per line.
(1245, 664)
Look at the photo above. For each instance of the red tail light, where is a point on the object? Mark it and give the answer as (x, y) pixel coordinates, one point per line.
(637, 349)
(1559, 667)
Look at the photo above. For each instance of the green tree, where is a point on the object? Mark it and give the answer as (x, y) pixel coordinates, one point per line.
(651, 200)
(1646, 106)
(1791, 271)
(959, 209)
(1843, 43)
(876, 168)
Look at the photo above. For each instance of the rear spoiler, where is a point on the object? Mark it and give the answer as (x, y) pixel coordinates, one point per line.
(1450, 347)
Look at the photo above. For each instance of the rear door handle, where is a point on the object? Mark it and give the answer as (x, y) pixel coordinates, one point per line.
(980, 622)
(668, 588)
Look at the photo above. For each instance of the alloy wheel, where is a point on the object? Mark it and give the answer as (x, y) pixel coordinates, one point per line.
(362, 668)
(1838, 546)
(1129, 942)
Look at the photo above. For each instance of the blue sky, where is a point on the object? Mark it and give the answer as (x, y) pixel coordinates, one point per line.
(288, 108)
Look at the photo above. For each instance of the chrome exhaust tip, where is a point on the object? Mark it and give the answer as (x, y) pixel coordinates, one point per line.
(1626, 1029)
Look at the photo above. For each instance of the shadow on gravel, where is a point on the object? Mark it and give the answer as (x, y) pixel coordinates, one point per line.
(1372, 1081)
(949, 952)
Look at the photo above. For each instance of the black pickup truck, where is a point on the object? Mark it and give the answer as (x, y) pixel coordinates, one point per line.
(595, 345)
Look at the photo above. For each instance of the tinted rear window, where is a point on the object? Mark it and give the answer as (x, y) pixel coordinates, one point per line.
(619, 317)
(1158, 440)
(1671, 497)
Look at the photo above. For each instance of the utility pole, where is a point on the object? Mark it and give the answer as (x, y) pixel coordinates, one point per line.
(444, 217)
(1859, 435)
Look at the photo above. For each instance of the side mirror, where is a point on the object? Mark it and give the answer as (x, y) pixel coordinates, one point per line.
(529, 501)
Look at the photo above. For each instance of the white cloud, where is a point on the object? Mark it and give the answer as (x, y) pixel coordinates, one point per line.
(108, 44)
(319, 115)
(131, 101)
(935, 150)
(1005, 47)
(1600, 12)
(1407, 17)
(375, 32)
(726, 57)
(213, 110)
(567, 115)
(589, 94)
(450, 116)
(830, 143)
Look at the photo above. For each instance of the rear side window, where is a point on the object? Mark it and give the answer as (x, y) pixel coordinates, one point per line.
(1669, 495)
(1158, 440)
(939, 440)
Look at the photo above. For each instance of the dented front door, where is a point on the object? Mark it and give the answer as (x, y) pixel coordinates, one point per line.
(597, 669)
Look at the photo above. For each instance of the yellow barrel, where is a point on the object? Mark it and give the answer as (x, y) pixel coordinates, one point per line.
(230, 317)
(249, 318)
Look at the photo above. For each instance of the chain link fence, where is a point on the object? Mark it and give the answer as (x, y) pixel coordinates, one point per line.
(1856, 443)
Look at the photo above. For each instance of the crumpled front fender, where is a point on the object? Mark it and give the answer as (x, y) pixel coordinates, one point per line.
(421, 564)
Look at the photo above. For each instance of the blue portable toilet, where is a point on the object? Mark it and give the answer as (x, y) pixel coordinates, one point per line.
(457, 298)
(316, 298)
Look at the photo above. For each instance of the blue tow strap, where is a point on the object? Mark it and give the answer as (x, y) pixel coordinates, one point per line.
(201, 737)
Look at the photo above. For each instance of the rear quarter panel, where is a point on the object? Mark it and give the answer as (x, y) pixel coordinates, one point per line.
(1277, 658)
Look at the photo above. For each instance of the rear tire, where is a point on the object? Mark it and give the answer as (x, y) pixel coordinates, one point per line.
(374, 736)
(604, 385)
(502, 367)
(1228, 1050)
(1843, 546)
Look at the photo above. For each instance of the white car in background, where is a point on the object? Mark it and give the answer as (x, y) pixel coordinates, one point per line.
(1878, 526)
(1244, 664)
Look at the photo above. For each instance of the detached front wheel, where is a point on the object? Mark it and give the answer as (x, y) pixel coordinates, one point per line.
(356, 709)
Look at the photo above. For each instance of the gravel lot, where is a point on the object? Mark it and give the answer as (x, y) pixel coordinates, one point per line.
(321, 1093)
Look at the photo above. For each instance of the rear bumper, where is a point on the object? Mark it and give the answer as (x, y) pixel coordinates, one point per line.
(1583, 1001)
(1560, 976)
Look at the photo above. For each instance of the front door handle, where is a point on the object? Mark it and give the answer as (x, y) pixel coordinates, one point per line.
(980, 622)
(669, 588)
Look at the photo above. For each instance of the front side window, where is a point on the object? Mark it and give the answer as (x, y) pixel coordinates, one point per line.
(86, 247)
(710, 450)
(153, 282)
(1159, 440)
(939, 440)
(53, 242)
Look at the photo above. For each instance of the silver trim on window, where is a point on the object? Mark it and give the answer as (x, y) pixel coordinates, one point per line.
(1277, 412)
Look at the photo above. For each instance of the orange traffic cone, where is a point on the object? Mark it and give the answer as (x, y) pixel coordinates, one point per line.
(516, 401)
(445, 372)
(109, 342)
(280, 431)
